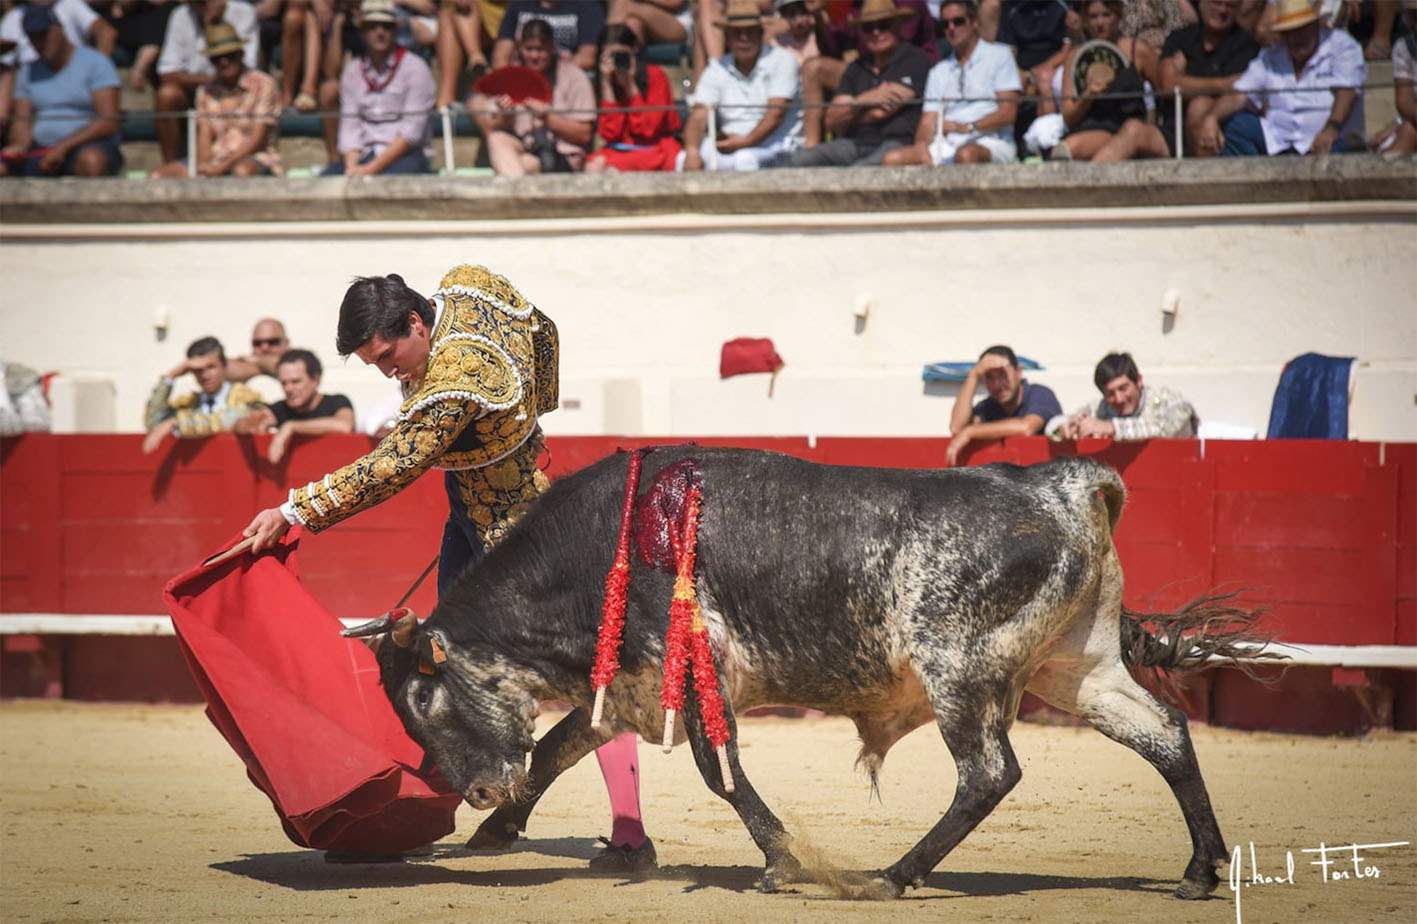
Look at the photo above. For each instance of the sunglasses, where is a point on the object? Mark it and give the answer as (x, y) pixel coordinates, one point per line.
(880, 25)
(228, 57)
(955, 22)
(387, 26)
(256, 344)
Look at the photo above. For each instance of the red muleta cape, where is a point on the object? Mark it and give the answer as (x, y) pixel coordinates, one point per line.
(303, 708)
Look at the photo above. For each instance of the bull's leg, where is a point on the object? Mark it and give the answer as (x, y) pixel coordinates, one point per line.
(1111, 701)
(974, 719)
(558, 750)
(763, 826)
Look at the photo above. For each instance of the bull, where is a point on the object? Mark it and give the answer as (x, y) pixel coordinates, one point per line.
(889, 596)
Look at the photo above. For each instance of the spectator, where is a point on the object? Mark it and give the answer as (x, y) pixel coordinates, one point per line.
(385, 99)
(1128, 410)
(302, 27)
(575, 26)
(466, 31)
(877, 106)
(217, 405)
(1015, 406)
(139, 26)
(799, 30)
(633, 140)
(754, 90)
(1400, 135)
(654, 21)
(344, 43)
(532, 135)
(417, 23)
(960, 123)
(82, 26)
(304, 411)
(1301, 95)
(1203, 60)
(837, 41)
(182, 67)
(23, 405)
(1103, 126)
(1152, 21)
(1037, 31)
(268, 344)
(709, 42)
(236, 115)
(66, 107)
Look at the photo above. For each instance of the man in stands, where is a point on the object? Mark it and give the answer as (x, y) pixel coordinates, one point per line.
(1015, 406)
(1128, 410)
(183, 66)
(877, 106)
(268, 345)
(217, 404)
(961, 123)
(1203, 59)
(386, 95)
(304, 411)
(236, 115)
(1301, 95)
(754, 89)
(67, 104)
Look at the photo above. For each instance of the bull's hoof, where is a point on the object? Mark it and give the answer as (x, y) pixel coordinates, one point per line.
(881, 889)
(779, 875)
(493, 834)
(1191, 890)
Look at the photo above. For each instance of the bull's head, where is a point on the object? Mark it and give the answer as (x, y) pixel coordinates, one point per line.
(469, 708)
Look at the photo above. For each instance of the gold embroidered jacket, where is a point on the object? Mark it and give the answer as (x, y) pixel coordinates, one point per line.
(240, 400)
(492, 371)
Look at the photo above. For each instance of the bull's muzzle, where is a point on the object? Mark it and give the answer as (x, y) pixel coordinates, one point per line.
(483, 797)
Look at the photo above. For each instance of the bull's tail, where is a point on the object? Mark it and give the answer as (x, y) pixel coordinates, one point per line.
(1114, 495)
(1215, 628)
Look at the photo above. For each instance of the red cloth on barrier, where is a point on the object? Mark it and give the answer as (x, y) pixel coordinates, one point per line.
(303, 708)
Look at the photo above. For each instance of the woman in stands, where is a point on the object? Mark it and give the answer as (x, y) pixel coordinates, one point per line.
(634, 141)
(1103, 126)
(531, 135)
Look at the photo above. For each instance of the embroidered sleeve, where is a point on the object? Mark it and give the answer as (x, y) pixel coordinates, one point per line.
(158, 409)
(417, 441)
(193, 424)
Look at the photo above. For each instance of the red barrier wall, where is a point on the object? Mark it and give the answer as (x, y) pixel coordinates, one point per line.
(1326, 530)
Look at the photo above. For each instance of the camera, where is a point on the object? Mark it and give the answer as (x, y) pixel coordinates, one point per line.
(621, 60)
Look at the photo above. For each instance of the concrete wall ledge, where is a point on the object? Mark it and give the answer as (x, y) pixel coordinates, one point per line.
(1343, 178)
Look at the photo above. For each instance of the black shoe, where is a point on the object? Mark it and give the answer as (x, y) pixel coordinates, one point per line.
(621, 858)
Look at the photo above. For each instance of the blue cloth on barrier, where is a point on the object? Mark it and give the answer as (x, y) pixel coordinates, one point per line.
(958, 371)
(1311, 401)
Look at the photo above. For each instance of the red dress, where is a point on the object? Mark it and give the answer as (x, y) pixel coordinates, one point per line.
(637, 141)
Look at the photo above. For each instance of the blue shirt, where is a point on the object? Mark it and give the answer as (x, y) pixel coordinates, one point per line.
(68, 93)
(1035, 399)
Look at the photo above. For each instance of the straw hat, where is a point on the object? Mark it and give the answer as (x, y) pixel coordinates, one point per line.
(1291, 14)
(377, 11)
(741, 14)
(876, 10)
(223, 40)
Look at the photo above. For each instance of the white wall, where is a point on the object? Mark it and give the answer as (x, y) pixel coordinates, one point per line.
(643, 305)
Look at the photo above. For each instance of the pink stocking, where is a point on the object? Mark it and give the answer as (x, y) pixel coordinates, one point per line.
(619, 764)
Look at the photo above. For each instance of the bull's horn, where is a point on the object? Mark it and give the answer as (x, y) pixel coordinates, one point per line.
(400, 622)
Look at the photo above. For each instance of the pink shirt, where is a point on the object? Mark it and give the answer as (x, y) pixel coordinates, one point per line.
(256, 103)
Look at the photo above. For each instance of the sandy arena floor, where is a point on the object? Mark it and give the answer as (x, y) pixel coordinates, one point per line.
(142, 814)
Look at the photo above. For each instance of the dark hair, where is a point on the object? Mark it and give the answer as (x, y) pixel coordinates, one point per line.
(310, 360)
(541, 29)
(971, 9)
(1001, 350)
(377, 306)
(1113, 365)
(617, 33)
(202, 346)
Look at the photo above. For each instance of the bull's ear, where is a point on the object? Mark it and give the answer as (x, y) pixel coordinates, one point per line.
(432, 652)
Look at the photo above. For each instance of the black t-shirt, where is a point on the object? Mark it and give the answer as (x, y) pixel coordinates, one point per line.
(574, 23)
(910, 67)
(1036, 29)
(326, 407)
(1230, 57)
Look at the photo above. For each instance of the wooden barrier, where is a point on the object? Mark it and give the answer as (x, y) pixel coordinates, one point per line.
(1326, 531)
